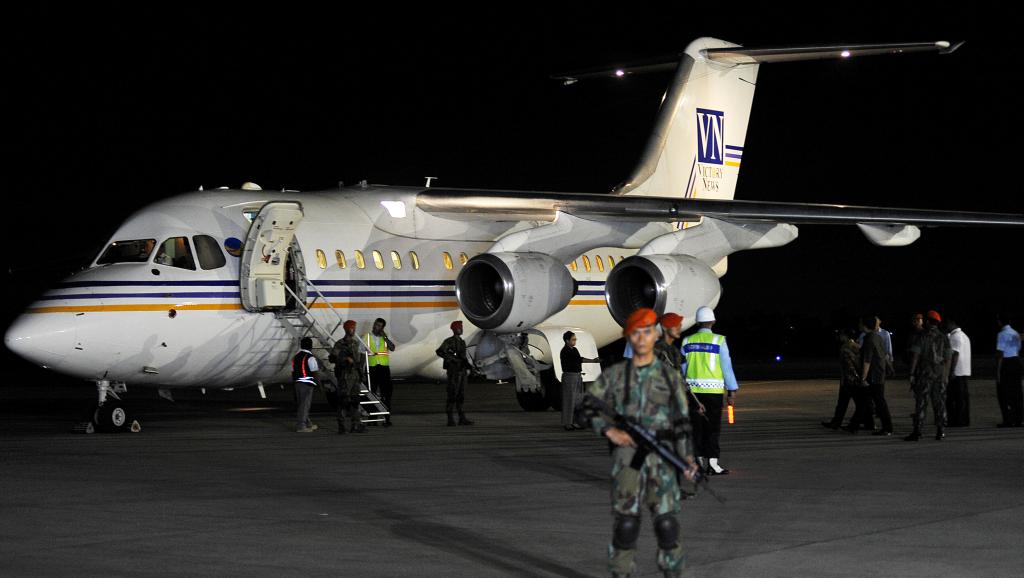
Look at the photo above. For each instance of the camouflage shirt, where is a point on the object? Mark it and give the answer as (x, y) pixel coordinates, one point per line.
(657, 399)
(933, 352)
(671, 354)
(453, 351)
(849, 363)
(343, 349)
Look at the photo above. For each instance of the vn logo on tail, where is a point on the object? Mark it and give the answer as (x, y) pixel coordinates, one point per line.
(710, 136)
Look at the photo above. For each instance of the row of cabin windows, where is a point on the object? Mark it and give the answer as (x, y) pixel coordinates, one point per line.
(378, 259)
(598, 261)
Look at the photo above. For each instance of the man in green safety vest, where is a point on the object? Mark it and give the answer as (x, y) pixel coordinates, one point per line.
(708, 371)
(378, 359)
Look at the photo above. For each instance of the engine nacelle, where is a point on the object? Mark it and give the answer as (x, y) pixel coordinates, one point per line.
(511, 292)
(665, 283)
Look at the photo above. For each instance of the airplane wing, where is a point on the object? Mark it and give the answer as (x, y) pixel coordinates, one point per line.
(544, 206)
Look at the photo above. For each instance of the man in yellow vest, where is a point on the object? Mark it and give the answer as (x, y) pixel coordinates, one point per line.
(709, 374)
(378, 358)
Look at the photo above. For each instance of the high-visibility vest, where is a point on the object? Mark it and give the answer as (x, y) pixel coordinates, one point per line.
(379, 354)
(704, 362)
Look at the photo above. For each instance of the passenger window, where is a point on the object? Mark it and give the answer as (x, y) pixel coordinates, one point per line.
(415, 260)
(378, 261)
(600, 262)
(447, 261)
(137, 251)
(175, 252)
(340, 258)
(360, 261)
(586, 263)
(611, 261)
(208, 251)
(321, 259)
(463, 258)
(396, 261)
(573, 265)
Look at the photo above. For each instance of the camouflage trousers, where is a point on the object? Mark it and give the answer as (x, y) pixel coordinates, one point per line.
(923, 390)
(653, 486)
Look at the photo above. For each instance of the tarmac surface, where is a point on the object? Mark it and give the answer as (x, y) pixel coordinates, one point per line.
(221, 486)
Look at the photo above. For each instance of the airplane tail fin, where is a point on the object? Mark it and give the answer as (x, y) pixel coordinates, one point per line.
(696, 148)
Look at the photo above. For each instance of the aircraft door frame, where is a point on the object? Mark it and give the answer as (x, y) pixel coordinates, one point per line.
(270, 254)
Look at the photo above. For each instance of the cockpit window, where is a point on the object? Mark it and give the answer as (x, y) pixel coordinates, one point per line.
(136, 251)
(175, 252)
(208, 251)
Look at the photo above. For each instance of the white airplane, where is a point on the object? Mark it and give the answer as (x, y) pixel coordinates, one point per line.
(212, 288)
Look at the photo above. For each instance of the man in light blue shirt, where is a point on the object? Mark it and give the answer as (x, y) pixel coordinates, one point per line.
(1008, 371)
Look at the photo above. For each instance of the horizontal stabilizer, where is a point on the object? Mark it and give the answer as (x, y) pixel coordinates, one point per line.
(743, 55)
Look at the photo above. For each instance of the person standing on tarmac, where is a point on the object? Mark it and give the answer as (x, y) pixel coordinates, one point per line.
(958, 398)
(572, 379)
(453, 352)
(347, 356)
(1008, 372)
(874, 364)
(304, 369)
(929, 370)
(849, 384)
(379, 357)
(709, 374)
(648, 391)
(669, 350)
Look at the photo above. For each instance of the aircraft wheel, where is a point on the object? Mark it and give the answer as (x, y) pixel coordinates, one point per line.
(111, 417)
(532, 400)
(553, 388)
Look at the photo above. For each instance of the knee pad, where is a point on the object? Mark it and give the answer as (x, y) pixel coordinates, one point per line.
(666, 528)
(625, 532)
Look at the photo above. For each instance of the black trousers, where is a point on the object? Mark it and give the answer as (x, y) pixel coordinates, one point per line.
(1009, 393)
(380, 380)
(707, 431)
(958, 402)
(864, 414)
(877, 391)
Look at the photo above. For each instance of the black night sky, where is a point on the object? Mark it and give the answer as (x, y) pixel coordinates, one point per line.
(109, 110)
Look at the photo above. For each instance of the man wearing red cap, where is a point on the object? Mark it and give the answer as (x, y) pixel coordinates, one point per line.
(929, 373)
(453, 352)
(651, 393)
(347, 356)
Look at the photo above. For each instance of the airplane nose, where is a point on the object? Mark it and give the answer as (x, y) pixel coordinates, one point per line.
(42, 338)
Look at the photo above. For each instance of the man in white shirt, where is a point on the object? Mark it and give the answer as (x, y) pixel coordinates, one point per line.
(958, 401)
(1008, 390)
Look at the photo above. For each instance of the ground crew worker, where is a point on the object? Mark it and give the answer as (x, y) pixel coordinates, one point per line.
(648, 391)
(304, 368)
(453, 352)
(708, 370)
(929, 373)
(347, 355)
(379, 359)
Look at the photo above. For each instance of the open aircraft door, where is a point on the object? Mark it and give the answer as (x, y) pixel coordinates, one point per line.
(271, 259)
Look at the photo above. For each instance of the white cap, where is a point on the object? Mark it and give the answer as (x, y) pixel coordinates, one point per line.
(705, 314)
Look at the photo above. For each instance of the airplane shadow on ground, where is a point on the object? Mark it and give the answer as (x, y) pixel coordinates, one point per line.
(470, 545)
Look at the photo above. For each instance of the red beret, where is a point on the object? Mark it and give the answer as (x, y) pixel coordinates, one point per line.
(640, 318)
(456, 324)
(670, 320)
(935, 315)
(350, 325)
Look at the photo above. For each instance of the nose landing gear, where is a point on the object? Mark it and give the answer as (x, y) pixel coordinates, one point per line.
(110, 415)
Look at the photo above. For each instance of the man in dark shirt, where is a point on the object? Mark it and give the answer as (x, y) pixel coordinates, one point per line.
(874, 357)
(572, 379)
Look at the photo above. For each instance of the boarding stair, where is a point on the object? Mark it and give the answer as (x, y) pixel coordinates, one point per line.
(300, 322)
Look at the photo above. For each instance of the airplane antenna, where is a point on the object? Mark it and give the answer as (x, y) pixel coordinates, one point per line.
(430, 179)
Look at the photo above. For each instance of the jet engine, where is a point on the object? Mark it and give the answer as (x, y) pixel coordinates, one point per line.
(665, 283)
(512, 292)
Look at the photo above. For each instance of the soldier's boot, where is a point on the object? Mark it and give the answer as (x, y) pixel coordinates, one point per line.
(463, 420)
(939, 433)
(914, 436)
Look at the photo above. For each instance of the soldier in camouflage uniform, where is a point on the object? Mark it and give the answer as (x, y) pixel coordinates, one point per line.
(347, 355)
(929, 373)
(650, 392)
(453, 352)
